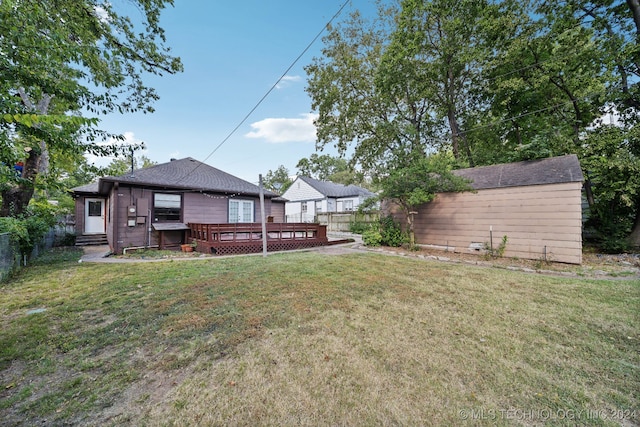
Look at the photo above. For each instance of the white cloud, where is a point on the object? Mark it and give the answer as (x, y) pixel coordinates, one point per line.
(129, 139)
(285, 130)
(286, 80)
(102, 14)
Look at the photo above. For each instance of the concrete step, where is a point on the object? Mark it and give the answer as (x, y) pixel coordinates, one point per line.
(91, 240)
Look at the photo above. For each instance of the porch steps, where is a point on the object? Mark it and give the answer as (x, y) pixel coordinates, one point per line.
(91, 240)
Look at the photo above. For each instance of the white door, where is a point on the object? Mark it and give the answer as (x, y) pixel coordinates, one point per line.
(94, 216)
(240, 211)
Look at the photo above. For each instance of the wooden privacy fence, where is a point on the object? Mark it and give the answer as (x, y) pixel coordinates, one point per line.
(341, 221)
(243, 238)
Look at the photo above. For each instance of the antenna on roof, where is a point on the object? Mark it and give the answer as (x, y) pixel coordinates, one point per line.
(132, 150)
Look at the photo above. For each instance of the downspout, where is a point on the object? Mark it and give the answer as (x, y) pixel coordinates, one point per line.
(149, 228)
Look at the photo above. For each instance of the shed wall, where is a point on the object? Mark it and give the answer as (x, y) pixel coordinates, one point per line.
(540, 221)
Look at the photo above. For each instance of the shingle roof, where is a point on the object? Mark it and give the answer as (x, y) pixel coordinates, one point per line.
(331, 189)
(88, 188)
(184, 174)
(553, 170)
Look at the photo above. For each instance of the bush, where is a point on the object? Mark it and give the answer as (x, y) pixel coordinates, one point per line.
(69, 239)
(391, 232)
(29, 229)
(359, 227)
(372, 238)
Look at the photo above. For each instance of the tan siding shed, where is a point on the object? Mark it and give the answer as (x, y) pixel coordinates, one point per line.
(537, 205)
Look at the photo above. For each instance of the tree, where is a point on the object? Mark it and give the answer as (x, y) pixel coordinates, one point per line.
(612, 160)
(277, 181)
(122, 165)
(437, 53)
(329, 168)
(383, 128)
(418, 183)
(582, 60)
(64, 58)
(491, 81)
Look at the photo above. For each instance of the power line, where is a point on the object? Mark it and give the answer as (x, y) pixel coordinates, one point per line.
(255, 107)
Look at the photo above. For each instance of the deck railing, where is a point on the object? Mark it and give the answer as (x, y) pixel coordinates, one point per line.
(247, 237)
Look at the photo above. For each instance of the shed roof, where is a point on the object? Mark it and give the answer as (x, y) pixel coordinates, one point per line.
(331, 189)
(552, 170)
(182, 174)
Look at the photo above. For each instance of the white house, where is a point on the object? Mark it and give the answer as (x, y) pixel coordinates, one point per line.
(307, 197)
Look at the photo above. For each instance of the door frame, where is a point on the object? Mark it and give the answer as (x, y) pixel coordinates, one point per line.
(91, 226)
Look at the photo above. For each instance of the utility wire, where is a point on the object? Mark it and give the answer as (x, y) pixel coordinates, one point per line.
(255, 107)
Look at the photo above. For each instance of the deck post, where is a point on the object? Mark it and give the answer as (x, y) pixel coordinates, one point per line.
(264, 225)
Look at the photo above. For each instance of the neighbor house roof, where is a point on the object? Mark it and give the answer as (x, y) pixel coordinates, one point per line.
(331, 189)
(553, 170)
(182, 174)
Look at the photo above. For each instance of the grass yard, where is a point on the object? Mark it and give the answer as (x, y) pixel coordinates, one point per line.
(313, 339)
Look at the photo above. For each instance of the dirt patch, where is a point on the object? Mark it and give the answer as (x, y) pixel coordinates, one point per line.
(594, 265)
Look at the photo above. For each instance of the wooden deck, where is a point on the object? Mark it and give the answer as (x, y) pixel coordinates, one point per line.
(244, 238)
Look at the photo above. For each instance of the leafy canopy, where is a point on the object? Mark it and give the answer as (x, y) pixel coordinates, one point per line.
(62, 63)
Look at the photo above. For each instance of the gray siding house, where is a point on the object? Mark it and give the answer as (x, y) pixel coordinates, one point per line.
(151, 207)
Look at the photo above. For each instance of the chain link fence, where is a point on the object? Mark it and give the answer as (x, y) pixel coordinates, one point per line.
(10, 257)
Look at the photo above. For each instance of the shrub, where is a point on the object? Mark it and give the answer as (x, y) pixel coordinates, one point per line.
(359, 227)
(372, 238)
(498, 252)
(29, 229)
(391, 232)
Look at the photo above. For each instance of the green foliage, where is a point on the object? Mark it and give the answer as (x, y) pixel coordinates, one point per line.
(418, 183)
(391, 232)
(491, 82)
(611, 160)
(63, 61)
(359, 227)
(372, 237)
(386, 231)
(369, 205)
(277, 181)
(496, 252)
(28, 229)
(329, 168)
(613, 238)
(122, 165)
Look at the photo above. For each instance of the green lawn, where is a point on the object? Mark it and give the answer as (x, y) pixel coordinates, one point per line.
(310, 339)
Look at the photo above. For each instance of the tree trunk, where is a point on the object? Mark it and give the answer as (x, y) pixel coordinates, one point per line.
(458, 139)
(412, 233)
(15, 199)
(634, 237)
(634, 6)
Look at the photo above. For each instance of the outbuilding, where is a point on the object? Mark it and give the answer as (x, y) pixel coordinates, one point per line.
(536, 204)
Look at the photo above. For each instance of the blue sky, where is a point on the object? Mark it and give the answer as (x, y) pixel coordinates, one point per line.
(233, 53)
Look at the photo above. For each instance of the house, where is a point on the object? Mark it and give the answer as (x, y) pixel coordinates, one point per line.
(306, 197)
(536, 204)
(151, 207)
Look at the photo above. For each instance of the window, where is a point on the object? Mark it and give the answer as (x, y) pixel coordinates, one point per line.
(240, 211)
(347, 205)
(167, 207)
(95, 208)
(303, 207)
